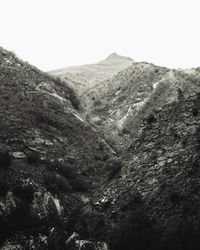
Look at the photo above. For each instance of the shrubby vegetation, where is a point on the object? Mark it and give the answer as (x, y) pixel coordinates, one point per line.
(69, 92)
(151, 118)
(25, 192)
(113, 166)
(62, 177)
(5, 159)
(136, 232)
(4, 187)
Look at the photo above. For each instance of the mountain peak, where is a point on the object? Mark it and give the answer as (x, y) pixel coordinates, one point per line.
(115, 56)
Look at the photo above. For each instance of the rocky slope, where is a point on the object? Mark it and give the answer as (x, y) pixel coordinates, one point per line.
(84, 77)
(50, 159)
(153, 201)
(61, 184)
(117, 106)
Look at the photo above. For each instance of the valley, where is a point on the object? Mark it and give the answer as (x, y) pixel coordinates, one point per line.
(99, 157)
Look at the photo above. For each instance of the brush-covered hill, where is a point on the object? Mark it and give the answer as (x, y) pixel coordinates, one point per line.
(117, 105)
(85, 77)
(152, 201)
(50, 159)
(61, 184)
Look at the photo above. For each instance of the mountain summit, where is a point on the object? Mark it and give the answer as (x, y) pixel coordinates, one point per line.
(116, 57)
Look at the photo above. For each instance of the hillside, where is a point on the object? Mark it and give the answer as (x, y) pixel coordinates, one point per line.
(153, 201)
(117, 106)
(114, 166)
(85, 77)
(50, 159)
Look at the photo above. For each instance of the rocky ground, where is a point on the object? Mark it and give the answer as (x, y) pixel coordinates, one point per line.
(65, 184)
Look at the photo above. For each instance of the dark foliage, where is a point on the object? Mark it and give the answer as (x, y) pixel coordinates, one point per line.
(122, 98)
(195, 111)
(32, 158)
(136, 232)
(70, 179)
(74, 101)
(57, 239)
(24, 192)
(174, 196)
(180, 94)
(151, 118)
(126, 131)
(183, 237)
(156, 70)
(4, 187)
(5, 160)
(113, 166)
(56, 183)
(97, 103)
(18, 220)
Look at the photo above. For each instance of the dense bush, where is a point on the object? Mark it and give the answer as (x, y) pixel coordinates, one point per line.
(180, 95)
(71, 179)
(97, 103)
(24, 192)
(136, 232)
(5, 160)
(195, 111)
(18, 220)
(74, 101)
(122, 98)
(174, 196)
(156, 70)
(56, 183)
(4, 187)
(32, 158)
(113, 166)
(126, 131)
(151, 118)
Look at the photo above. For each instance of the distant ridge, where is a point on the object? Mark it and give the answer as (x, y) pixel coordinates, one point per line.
(86, 76)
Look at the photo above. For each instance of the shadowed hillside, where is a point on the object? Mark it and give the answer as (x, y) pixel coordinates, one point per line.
(152, 202)
(50, 159)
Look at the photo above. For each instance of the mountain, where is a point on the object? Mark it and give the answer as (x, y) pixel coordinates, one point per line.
(153, 201)
(117, 105)
(50, 159)
(112, 166)
(150, 116)
(86, 76)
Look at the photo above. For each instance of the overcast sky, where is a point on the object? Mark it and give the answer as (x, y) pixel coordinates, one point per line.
(58, 33)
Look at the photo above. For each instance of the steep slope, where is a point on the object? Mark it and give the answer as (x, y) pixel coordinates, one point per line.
(50, 160)
(117, 105)
(85, 77)
(153, 201)
(61, 184)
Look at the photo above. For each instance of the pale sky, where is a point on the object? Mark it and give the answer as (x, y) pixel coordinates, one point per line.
(53, 34)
